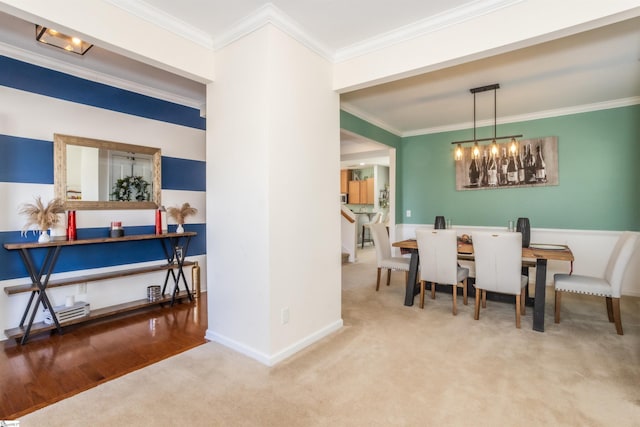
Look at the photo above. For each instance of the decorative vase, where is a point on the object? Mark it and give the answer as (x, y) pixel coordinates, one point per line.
(439, 223)
(44, 237)
(524, 227)
(179, 229)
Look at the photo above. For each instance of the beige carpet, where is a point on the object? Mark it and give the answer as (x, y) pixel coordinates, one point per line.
(393, 366)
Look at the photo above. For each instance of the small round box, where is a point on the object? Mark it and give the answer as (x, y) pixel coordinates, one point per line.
(117, 232)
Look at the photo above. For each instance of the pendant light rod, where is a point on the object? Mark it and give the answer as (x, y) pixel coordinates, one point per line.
(475, 90)
(485, 88)
(487, 139)
(495, 115)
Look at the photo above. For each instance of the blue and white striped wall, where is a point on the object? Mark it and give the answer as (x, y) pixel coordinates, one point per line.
(35, 103)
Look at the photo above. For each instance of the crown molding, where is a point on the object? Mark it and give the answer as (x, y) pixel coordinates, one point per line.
(424, 26)
(164, 20)
(95, 76)
(586, 108)
(270, 14)
(344, 106)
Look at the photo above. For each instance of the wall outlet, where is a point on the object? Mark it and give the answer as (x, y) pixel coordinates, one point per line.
(284, 316)
(408, 213)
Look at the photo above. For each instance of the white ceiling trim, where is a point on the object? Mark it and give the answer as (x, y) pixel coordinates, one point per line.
(95, 76)
(269, 14)
(164, 20)
(345, 106)
(624, 102)
(433, 23)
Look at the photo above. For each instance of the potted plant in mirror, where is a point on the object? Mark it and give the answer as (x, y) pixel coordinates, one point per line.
(131, 189)
(41, 216)
(180, 213)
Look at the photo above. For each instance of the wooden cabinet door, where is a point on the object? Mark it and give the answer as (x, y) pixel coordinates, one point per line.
(364, 199)
(354, 192)
(371, 197)
(345, 176)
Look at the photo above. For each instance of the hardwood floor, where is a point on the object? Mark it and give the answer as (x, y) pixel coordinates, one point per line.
(51, 367)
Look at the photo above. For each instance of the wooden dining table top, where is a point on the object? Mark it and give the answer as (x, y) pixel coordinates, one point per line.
(559, 252)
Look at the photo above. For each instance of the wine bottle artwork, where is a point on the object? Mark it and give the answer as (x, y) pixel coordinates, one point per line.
(541, 168)
(492, 171)
(474, 173)
(527, 163)
(512, 171)
(520, 167)
(484, 178)
(529, 166)
(504, 166)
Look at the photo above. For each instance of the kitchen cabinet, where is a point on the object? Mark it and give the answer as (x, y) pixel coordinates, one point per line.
(361, 192)
(354, 192)
(345, 177)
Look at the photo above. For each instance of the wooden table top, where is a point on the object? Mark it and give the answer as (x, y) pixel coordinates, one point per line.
(562, 253)
(130, 238)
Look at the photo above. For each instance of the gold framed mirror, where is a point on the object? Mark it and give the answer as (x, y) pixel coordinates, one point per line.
(96, 174)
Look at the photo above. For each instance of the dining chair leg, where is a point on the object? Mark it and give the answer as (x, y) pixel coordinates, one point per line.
(378, 281)
(609, 309)
(455, 297)
(616, 315)
(433, 290)
(523, 307)
(464, 291)
(388, 276)
(406, 277)
(558, 298)
(422, 294)
(518, 298)
(476, 314)
(484, 298)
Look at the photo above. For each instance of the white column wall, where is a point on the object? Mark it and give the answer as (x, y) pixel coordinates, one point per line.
(237, 184)
(304, 181)
(273, 225)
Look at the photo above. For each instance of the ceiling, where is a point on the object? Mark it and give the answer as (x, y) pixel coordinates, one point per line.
(600, 67)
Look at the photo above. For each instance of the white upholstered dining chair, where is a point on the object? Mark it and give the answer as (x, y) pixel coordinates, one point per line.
(383, 253)
(609, 286)
(376, 218)
(438, 250)
(498, 258)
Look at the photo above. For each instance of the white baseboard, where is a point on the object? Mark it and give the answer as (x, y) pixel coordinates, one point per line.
(271, 360)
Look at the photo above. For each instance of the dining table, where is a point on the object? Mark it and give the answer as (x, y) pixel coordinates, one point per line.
(541, 253)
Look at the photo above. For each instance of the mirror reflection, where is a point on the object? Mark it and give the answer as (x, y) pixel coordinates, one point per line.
(96, 174)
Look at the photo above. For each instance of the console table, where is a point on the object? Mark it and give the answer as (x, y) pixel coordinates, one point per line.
(40, 276)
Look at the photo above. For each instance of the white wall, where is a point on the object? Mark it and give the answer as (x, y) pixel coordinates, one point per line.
(273, 159)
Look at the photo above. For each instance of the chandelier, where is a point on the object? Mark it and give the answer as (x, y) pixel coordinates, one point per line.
(475, 152)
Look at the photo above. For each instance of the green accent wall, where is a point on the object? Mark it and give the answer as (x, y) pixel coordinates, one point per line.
(599, 176)
(361, 127)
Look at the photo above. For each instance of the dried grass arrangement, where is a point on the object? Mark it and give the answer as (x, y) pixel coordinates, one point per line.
(180, 213)
(41, 216)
